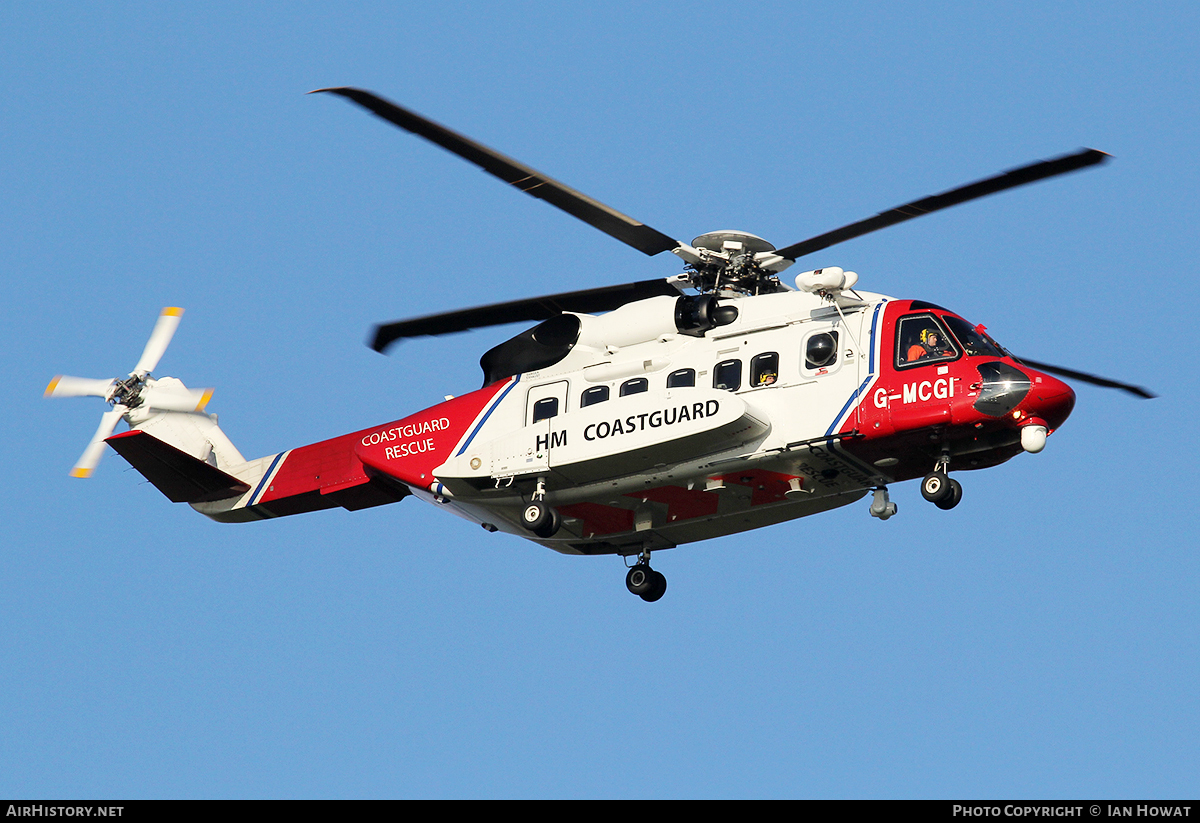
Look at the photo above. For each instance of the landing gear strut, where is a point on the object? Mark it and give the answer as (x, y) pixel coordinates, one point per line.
(644, 581)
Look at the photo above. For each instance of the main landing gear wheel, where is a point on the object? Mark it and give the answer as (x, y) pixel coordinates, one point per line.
(951, 499)
(540, 519)
(646, 583)
(936, 487)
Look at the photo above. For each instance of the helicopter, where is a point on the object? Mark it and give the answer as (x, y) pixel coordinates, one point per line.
(638, 417)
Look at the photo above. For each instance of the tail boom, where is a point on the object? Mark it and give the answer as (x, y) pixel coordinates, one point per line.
(188, 458)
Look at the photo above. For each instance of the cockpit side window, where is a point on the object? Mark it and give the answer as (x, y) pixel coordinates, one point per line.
(921, 339)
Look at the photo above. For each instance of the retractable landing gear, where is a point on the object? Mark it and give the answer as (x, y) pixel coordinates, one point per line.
(644, 581)
(539, 518)
(939, 489)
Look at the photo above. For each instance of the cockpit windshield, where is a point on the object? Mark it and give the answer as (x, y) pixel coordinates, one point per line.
(972, 338)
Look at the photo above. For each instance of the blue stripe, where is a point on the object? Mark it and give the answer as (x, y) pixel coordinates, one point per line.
(495, 404)
(849, 403)
(870, 373)
(266, 477)
(874, 318)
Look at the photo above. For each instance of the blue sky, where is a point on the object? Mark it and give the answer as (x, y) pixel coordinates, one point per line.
(1039, 640)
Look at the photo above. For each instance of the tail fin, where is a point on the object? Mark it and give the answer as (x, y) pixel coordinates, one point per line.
(194, 433)
(177, 474)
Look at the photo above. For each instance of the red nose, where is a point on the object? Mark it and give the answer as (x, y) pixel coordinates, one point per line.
(1050, 399)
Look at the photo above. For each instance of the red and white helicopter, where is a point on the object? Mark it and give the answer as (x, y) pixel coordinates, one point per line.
(641, 416)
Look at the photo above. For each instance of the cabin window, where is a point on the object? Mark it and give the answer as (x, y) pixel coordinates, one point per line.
(635, 386)
(546, 401)
(764, 369)
(728, 375)
(681, 378)
(920, 339)
(596, 394)
(821, 351)
(975, 342)
(545, 408)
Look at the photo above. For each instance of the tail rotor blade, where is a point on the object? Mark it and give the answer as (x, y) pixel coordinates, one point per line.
(164, 330)
(67, 386)
(95, 449)
(180, 400)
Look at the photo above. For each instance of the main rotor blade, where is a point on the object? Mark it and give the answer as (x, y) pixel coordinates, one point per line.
(529, 180)
(164, 330)
(1084, 377)
(586, 301)
(95, 449)
(1001, 182)
(66, 386)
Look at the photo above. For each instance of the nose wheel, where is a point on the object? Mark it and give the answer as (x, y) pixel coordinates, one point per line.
(940, 490)
(645, 582)
(951, 500)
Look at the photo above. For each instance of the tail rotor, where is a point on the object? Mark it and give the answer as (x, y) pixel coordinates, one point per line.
(139, 394)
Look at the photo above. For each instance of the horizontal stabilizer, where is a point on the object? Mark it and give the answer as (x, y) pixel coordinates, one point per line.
(178, 475)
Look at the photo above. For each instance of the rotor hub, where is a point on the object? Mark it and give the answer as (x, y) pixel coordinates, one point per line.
(733, 262)
(128, 392)
(729, 242)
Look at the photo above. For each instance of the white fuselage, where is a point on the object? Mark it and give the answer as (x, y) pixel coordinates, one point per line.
(749, 443)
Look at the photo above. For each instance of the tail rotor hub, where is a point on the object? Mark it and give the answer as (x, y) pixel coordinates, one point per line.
(128, 392)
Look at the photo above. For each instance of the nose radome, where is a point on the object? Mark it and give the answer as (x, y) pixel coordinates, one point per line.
(1051, 399)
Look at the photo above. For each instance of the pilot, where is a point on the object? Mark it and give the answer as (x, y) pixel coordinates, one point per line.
(767, 378)
(930, 346)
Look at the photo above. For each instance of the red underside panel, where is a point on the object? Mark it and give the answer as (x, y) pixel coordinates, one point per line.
(681, 504)
(768, 487)
(599, 519)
